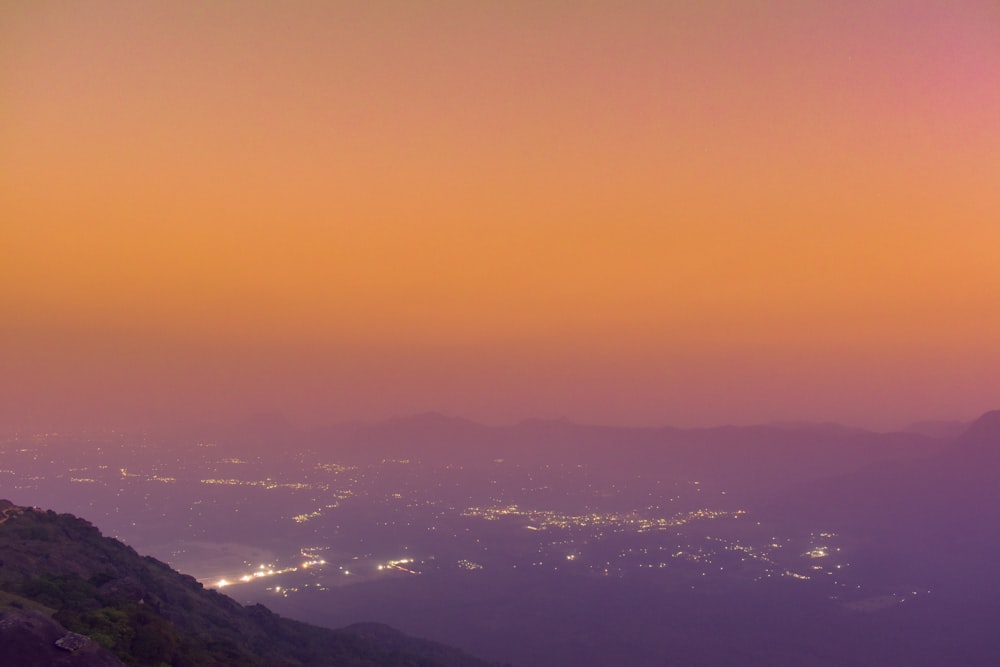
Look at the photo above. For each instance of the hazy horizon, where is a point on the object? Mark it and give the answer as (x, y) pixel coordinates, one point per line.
(191, 422)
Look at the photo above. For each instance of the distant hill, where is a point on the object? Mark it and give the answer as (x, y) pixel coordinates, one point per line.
(942, 512)
(938, 429)
(69, 596)
(981, 441)
(765, 457)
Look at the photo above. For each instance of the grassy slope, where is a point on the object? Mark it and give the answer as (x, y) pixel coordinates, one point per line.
(150, 615)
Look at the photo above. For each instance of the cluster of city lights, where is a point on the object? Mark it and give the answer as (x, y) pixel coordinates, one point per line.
(397, 564)
(263, 571)
(268, 484)
(545, 519)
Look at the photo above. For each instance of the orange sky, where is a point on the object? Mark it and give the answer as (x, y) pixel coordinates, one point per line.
(634, 212)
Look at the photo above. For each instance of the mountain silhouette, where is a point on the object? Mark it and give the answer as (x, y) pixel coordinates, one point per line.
(981, 440)
(939, 514)
(764, 457)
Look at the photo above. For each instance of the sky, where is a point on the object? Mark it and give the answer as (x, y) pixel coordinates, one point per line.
(684, 212)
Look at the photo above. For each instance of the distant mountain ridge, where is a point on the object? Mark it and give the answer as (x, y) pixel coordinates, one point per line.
(766, 455)
(983, 435)
(59, 575)
(930, 505)
(946, 429)
(761, 455)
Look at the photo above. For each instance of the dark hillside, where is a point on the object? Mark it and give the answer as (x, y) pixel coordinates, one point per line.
(147, 614)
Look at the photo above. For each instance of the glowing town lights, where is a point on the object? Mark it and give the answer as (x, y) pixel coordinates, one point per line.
(396, 564)
(546, 519)
(268, 571)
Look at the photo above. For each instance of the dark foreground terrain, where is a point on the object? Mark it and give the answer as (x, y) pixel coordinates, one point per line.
(69, 596)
